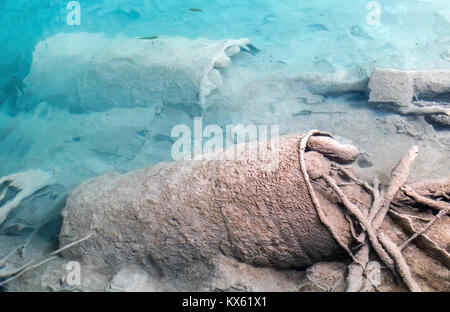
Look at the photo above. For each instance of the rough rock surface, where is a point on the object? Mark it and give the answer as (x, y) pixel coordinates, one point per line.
(391, 86)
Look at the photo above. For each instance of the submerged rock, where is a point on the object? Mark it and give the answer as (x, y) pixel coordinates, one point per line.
(440, 119)
(101, 73)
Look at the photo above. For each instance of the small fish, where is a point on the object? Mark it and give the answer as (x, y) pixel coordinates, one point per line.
(162, 138)
(149, 38)
(142, 133)
(196, 10)
(317, 27)
(308, 112)
(251, 49)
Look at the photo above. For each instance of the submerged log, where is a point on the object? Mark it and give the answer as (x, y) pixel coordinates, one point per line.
(176, 217)
(189, 225)
(413, 92)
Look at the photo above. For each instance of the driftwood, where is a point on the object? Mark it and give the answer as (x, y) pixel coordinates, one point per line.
(413, 92)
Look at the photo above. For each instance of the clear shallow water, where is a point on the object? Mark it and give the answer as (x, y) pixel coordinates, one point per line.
(305, 32)
(113, 131)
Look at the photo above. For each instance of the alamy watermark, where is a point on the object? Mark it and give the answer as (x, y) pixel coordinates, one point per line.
(72, 274)
(74, 16)
(235, 142)
(373, 271)
(374, 16)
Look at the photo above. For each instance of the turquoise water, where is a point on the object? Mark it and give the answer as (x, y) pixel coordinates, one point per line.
(411, 32)
(66, 113)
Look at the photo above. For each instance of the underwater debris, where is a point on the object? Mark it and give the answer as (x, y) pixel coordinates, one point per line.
(156, 205)
(439, 119)
(15, 188)
(28, 200)
(10, 275)
(412, 92)
(333, 84)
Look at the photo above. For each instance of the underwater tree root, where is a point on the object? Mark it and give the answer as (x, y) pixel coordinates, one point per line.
(371, 220)
(301, 149)
(421, 240)
(367, 227)
(434, 204)
(424, 230)
(400, 262)
(424, 108)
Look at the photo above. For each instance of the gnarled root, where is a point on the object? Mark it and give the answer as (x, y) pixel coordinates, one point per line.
(371, 220)
(400, 263)
(420, 238)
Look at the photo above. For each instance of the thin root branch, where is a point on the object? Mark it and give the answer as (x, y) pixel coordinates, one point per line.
(399, 176)
(301, 150)
(356, 212)
(15, 273)
(424, 230)
(437, 205)
(422, 241)
(400, 263)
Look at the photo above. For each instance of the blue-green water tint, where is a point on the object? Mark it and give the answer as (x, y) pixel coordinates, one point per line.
(292, 37)
(411, 32)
